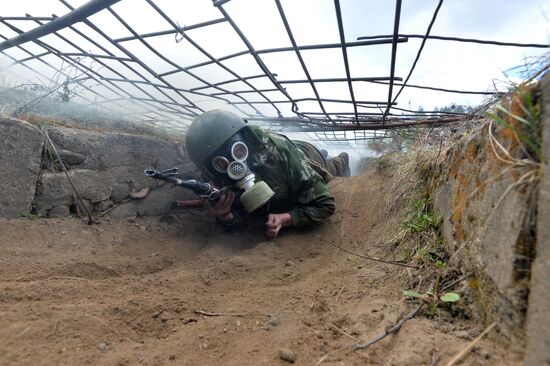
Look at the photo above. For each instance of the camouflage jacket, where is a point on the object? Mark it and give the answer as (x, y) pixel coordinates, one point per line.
(299, 183)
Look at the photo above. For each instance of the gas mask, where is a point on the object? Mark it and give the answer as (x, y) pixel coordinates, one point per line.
(233, 163)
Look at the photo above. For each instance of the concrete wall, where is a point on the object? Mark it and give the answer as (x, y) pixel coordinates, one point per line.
(498, 230)
(538, 315)
(486, 225)
(105, 168)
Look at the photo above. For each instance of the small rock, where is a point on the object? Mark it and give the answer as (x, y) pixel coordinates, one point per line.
(123, 211)
(165, 316)
(319, 307)
(464, 334)
(485, 354)
(120, 192)
(289, 263)
(274, 322)
(287, 355)
(60, 211)
(71, 157)
(318, 334)
(103, 205)
(103, 346)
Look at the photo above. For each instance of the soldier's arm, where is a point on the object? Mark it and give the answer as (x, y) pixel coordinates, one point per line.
(315, 203)
(236, 215)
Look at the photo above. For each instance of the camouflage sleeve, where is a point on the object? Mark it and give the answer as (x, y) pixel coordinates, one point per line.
(314, 201)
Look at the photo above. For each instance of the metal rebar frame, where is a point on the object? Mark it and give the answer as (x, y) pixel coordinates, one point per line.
(105, 82)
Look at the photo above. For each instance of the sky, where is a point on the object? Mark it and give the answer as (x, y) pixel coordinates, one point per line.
(442, 64)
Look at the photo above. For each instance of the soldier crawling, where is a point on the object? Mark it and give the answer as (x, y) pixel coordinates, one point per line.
(284, 179)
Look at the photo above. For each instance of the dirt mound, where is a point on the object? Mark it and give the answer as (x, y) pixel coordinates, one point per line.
(189, 293)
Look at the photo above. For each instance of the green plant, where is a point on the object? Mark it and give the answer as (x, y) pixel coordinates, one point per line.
(445, 297)
(29, 215)
(527, 127)
(431, 310)
(421, 218)
(433, 299)
(423, 227)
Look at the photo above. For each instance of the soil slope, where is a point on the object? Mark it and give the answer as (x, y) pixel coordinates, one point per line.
(128, 292)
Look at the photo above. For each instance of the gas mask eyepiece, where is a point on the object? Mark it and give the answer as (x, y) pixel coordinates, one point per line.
(239, 151)
(220, 164)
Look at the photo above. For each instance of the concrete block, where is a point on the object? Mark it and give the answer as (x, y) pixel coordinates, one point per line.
(538, 312)
(20, 160)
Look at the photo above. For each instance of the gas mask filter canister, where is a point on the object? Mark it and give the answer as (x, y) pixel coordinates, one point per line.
(255, 195)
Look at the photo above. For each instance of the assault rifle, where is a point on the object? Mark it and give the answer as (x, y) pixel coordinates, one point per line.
(204, 190)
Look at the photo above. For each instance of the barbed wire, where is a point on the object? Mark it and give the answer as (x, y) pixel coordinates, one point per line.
(155, 93)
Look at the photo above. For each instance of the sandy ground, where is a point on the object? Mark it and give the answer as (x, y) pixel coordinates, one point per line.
(127, 292)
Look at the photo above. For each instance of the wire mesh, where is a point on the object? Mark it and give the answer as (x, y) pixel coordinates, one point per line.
(137, 70)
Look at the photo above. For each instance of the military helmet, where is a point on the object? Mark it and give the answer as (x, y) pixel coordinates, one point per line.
(209, 131)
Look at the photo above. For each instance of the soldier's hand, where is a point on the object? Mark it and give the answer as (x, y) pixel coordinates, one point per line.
(221, 209)
(275, 222)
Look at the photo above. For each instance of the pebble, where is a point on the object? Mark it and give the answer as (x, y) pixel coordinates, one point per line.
(318, 334)
(464, 334)
(485, 354)
(165, 316)
(274, 322)
(287, 355)
(103, 346)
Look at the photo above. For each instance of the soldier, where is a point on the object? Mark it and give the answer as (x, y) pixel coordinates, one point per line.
(287, 180)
